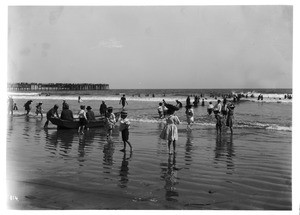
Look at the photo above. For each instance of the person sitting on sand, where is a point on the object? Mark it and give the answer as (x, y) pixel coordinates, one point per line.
(50, 114)
(27, 106)
(124, 128)
(39, 109)
(229, 120)
(90, 114)
(66, 113)
(110, 121)
(170, 131)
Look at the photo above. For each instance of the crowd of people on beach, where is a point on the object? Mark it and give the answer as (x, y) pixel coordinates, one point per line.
(223, 114)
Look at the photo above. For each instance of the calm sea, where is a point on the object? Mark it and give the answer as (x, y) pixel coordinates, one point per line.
(250, 170)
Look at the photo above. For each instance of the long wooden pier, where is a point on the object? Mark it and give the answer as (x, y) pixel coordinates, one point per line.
(54, 86)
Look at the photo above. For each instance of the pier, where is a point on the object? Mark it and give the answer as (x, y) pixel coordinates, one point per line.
(55, 86)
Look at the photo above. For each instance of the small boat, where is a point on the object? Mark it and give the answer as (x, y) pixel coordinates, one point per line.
(67, 124)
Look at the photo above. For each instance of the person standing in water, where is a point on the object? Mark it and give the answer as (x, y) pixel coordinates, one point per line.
(229, 120)
(110, 121)
(103, 108)
(189, 116)
(124, 128)
(39, 109)
(123, 101)
(27, 106)
(170, 131)
(51, 113)
(82, 119)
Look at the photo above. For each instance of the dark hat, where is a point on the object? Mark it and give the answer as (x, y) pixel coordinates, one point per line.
(82, 106)
(231, 106)
(88, 108)
(123, 113)
(171, 107)
(55, 106)
(30, 101)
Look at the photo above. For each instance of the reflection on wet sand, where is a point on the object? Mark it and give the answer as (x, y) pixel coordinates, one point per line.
(224, 151)
(108, 161)
(169, 175)
(188, 150)
(124, 171)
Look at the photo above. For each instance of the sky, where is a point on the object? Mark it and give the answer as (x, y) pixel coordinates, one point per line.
(152, 47)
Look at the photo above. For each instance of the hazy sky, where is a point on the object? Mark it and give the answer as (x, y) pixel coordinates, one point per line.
(152, 46)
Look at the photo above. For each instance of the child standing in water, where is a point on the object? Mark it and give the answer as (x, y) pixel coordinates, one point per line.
(219, 120)
(124, 128)
(82, 119)
(160, 110)
(39, 109)
(170, 131)
(189, 116)
(110, 121)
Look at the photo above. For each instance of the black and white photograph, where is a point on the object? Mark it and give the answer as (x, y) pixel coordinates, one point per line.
(150, 107)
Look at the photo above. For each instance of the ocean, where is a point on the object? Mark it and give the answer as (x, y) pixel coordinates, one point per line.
(60, 169)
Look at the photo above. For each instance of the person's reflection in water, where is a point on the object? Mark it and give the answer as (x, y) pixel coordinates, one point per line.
(124, 171)
(108, 160)
(65, 138)
(170, 177)
(81, 151)
(188, 149)
(51, 141)
(223, 154)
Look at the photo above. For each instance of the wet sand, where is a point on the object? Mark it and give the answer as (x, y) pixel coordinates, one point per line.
(61, 170)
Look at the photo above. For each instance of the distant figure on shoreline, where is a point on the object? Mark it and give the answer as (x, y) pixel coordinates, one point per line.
(170, 131)
(202, 103)
(50, 114)
(123, 101)
(27, 106)
(39, 109)
(15, 106)
(103, 108)
(79, 99)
